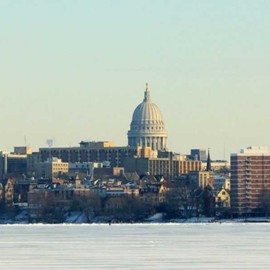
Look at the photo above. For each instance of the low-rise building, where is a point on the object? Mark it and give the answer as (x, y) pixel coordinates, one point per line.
(107, 173)
(84, 167)
(93, 152)
(171, 166)
(52, 168)
(12, 165)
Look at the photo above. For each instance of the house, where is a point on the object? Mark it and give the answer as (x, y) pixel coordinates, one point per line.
(223, 199)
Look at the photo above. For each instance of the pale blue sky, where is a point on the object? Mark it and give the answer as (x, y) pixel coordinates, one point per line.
(76, 70)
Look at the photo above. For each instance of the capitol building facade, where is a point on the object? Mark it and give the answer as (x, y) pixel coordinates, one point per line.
(147, 127)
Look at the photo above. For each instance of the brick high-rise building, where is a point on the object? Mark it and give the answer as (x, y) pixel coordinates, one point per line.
(250, 180)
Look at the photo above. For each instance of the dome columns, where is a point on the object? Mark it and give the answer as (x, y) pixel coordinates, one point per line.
(156, 143)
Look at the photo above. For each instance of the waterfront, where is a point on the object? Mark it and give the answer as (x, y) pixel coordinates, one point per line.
(135, 246)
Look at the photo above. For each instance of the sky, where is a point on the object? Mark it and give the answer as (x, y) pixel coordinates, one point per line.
(76, 70)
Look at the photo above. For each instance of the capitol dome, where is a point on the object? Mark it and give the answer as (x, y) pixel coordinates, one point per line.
(147, 112)
(147, 126)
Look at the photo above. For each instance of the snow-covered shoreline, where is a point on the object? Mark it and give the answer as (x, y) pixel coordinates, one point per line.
(79, 218)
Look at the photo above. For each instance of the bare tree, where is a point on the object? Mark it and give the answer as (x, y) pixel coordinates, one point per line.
(89, 205)
(127, 208)
(184, 200)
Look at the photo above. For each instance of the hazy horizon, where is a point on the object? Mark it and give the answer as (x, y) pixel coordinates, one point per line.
(77, 70)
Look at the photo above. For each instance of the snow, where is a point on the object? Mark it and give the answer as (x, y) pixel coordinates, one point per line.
(76, 217)
(136, 246)
(158, 217)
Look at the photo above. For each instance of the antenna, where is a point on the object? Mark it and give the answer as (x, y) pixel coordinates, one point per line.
(224, 154)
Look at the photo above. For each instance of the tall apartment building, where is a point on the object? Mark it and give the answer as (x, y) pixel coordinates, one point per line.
(250, 179)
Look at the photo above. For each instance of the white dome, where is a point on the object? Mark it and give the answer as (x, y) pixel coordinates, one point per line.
(147, 113)
(147, 126)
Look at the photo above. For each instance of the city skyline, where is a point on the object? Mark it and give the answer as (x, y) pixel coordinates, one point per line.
(76, 71)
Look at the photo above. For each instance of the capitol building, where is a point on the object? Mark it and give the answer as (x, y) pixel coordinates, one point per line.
(147, 127)
(146, 153)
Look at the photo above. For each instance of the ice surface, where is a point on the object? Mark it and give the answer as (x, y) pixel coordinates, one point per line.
(135, 246)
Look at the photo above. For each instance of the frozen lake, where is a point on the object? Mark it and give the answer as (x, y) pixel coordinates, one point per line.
(135, 246)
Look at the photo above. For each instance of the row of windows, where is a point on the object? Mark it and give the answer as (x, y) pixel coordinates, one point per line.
(146, 128)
